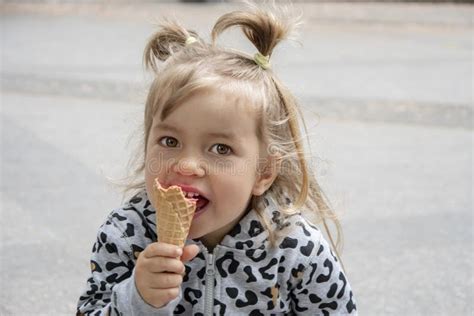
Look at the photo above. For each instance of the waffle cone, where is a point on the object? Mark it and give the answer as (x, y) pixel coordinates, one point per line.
(174, 214)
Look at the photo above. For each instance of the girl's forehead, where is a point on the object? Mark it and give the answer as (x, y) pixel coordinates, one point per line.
(224, 99)
(209, 106)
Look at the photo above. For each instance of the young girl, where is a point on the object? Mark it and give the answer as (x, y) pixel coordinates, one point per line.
(218, 123)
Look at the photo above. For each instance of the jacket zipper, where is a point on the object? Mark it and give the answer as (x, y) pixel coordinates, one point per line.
(210, 274)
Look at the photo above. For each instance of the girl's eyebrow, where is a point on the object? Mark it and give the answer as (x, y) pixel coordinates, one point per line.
(230, 136)
(164, 126)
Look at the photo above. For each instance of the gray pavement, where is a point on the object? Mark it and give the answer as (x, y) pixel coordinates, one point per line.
(388, 105)
(391, 62)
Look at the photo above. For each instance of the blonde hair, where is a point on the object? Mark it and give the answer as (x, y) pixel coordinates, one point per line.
(182, 69)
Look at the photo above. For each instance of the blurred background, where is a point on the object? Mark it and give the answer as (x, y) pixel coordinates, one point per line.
(387, 92)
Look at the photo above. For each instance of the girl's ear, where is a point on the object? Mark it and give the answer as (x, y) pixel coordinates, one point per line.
(267, 173)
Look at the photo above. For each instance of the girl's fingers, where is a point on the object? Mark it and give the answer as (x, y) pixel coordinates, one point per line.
(166, 280)
(162, 257)
(164, 264)
(189, 252)
(160, 249)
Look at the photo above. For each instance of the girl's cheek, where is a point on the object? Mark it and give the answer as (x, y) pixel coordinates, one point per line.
(222, 166)
(153, 166)
(159, 161)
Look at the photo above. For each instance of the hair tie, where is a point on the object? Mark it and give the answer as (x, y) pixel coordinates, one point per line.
(262, 61)
(190, 40)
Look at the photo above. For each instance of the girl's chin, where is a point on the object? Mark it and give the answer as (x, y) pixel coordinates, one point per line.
(195, 235)
(196, 231)
(199, 231)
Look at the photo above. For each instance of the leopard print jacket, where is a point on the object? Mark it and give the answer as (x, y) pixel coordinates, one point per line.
(243, 276)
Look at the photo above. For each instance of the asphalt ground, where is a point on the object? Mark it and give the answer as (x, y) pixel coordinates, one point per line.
(407, 63)
(401, 180)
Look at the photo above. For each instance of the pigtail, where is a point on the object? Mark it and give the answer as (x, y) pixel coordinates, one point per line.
(171, 38)
(264, 28)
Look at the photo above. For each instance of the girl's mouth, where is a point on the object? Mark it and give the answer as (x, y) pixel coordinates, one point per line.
(201, 207)
(201, 203)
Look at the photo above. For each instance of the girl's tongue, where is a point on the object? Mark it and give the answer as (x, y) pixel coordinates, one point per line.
(201, 202)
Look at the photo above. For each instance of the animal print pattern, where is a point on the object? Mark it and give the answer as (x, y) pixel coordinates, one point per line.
(300, 276)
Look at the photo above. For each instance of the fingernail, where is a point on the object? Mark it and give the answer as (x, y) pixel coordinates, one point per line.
(179, 251)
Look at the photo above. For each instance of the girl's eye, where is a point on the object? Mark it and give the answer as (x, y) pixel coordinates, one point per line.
(168, 141)
(222, 149)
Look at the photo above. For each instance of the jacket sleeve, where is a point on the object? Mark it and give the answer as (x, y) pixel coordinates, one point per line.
(111, 289)
(322, 287)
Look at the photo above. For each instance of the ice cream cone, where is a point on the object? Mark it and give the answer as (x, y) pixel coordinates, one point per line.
(174, 214)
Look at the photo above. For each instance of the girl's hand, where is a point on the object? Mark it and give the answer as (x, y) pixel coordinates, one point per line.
(159, 272)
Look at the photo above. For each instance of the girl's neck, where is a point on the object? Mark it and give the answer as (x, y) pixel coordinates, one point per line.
(211, 240)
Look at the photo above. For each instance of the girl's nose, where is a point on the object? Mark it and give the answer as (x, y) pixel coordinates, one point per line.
(189, 167)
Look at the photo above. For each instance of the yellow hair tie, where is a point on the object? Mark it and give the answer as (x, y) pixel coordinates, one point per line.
(190, 40)
(262, 61)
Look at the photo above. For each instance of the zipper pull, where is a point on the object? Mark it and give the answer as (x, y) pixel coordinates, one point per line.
(210, 265)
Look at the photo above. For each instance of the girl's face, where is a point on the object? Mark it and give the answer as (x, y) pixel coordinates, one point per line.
(209, 145)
